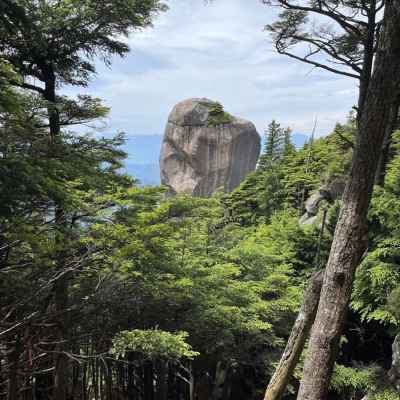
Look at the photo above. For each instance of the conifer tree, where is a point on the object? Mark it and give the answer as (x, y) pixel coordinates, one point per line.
(274, 146)
(288, 146)
(350, 239)
(51, 44)
(274, 140)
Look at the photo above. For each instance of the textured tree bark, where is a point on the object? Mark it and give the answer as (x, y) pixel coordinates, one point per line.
(61, 360)
(297, 339)
(148, 381)
(131, 377)
(350, 237)
(61, 285)
(221, 373)
(368, 57)
(13, 361)
(162, 380)
(385, 154)
(95, 378)
(108, 379)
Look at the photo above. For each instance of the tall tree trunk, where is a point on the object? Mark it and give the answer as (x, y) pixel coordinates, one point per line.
(148, 381)
(13, 370)
(131, 377)
(385, 154)
(368, 58)
(61, 360)
(350, 237)
(192, 382)
(95, 379)
(202, 386)
(108, 379)
(297, 339)
(84, 381)
(162, 380)
(61, 284)
(221, 372)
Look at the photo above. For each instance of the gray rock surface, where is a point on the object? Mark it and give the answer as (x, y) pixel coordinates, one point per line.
(205, 149)
(394, 373)
(326, 194)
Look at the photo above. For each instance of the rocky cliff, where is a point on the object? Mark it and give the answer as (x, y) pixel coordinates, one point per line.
(205, 148)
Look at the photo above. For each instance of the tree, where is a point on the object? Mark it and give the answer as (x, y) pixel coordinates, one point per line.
(230, 288)
(288, 147)
(298, 336)
(294, 175)
(262, 193)
(82, 176)
(274, 144)
(347, 34)
(342, 38)
(54, 43)
(350, 238)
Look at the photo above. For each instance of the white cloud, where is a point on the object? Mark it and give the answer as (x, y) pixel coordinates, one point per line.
(220, 51)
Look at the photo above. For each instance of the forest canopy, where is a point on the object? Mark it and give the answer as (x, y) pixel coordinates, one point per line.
(111, 290)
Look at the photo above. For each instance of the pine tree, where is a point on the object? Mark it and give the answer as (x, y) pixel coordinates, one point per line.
(350, 239)
(51, 44)
(274, 146)
(288, 146)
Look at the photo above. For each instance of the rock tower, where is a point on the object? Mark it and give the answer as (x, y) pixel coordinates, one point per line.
(205, 149)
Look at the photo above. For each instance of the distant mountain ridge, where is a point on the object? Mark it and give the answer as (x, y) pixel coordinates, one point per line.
(144, 151)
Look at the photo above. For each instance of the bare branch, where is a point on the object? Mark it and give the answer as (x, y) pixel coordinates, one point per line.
(318, 65)
(335, 16)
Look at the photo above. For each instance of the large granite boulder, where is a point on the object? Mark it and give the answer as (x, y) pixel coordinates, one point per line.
(205, 149)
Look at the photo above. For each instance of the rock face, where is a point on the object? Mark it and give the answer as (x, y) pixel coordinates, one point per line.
(394, 373)
(205, 148)
(328, 193)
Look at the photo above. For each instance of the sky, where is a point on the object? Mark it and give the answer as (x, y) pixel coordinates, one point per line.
(218, 50)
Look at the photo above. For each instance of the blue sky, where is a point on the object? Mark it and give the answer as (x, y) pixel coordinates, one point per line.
(219, 51)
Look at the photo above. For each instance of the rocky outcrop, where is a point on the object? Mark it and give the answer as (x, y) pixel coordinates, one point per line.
(205, 149)
(327, 194)
(394, 373)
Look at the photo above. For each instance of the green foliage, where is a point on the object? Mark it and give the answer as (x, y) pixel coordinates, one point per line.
(285, 177)
(289, 149)
(153, 345)
(350, 382)
(9, 100)
(377, 277)
(375, 294)
(300, 33)
(356, 382)
(217, 115)
(262, 193)
(277, 143)
(388, 394)
(393, 303)
(392, 179)
(320, 162)
(68, 34)
(201, 283)
(233, 289)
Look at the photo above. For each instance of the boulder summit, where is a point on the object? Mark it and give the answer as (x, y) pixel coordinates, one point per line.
(205, 149)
